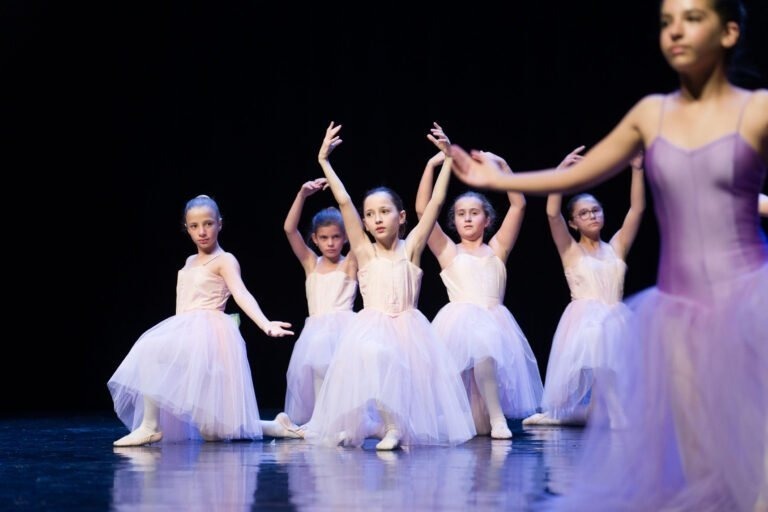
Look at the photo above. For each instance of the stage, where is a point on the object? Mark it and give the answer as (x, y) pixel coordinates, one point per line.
(67, 463)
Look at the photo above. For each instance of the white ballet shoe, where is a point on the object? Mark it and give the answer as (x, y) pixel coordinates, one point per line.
(342, 438)
(290, 429)
(542, 418)
(139, 437)
(500, 430)
(390, 441)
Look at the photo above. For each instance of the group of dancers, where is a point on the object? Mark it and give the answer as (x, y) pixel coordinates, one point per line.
(672, 382)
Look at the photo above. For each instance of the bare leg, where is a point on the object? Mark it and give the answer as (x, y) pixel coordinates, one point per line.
(147, 432)
(485, 378)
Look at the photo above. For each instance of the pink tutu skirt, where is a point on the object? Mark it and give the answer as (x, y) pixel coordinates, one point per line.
(393, 364)
(696, 398)
(472, 333)
(194, 366)
(591, 341)
(311, 356)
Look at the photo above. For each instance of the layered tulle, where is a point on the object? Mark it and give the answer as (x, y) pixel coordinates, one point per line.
(590, 342)
(472, 333)
(194, 366)
(392, 364)
(311, 356)
(696, 401)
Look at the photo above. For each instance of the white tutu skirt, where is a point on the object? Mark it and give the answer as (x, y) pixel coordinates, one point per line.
(392, 364)
(194, 366)
(591, 342)
(473, 333)
(697, 408)
(311, 356)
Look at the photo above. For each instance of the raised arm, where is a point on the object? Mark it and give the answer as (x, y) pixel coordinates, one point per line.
(306, 256)
(558, 226)
(506, 236)
(417, 238)
(624, 238)
(229, 269)
(358, 241)
(604, 160)
(438, 240)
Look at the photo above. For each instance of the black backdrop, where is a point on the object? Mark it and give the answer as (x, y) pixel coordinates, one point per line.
(117, 113)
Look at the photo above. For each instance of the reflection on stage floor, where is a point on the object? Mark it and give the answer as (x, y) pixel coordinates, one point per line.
(69, 463)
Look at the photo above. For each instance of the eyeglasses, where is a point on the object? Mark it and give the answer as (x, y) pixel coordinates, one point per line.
(595, 211)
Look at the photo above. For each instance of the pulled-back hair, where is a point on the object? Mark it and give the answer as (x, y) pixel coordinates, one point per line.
(396, 199)
(569, 207)
(488, 208)
(199, 201)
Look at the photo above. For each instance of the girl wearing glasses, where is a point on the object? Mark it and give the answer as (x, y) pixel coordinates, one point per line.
(590, 336)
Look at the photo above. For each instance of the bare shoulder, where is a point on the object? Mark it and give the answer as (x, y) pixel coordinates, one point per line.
(227, 260)
(754, 125)
(645, 114)
(648, 107)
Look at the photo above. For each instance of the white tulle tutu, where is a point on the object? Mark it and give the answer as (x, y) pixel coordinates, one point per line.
(194, 366)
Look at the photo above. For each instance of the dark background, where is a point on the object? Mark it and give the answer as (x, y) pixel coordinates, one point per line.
(115, 114)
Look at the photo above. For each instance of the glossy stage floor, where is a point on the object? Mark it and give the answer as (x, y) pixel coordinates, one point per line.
(60, 463)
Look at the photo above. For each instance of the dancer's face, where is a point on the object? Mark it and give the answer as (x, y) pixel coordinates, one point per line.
(381, 217)
(693, 37)
(470, 218)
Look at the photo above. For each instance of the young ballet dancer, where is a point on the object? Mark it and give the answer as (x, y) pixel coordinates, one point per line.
(697, 385)
(390, 378)
(593, 331)
(331, 288)
(498, 367)
(188, 377)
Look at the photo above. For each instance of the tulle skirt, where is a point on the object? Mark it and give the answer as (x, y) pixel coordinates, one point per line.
(392, 365)
(194, 366)
(311, 356)
(697, 408)
(591, 341)
(473, 334)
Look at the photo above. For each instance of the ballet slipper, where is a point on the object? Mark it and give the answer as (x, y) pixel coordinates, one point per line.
(291, 429)
(390, 441)
(342, 439)
(500, 430)
(139, 437)
(534, 419)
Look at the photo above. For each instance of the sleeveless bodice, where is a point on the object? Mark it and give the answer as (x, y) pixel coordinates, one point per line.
(706, 205)
(332, 291)
(476, 279)
(390, 286)
(199, 288)
(597, 278)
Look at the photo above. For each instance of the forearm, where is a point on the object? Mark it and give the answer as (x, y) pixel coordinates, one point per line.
(440, 189)
(554, 205)
(334, 182)
(291, 224)
(424, 191)
(251, 308)
(637, 191)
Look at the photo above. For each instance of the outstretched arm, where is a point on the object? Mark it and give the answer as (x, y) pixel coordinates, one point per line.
(557, 223)
(506, 236)
(438, 240)
(607, 158)
(762, 205)
(625, 236)
(358, 241)
(229, 269)
(417, 238)
(303, 252)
